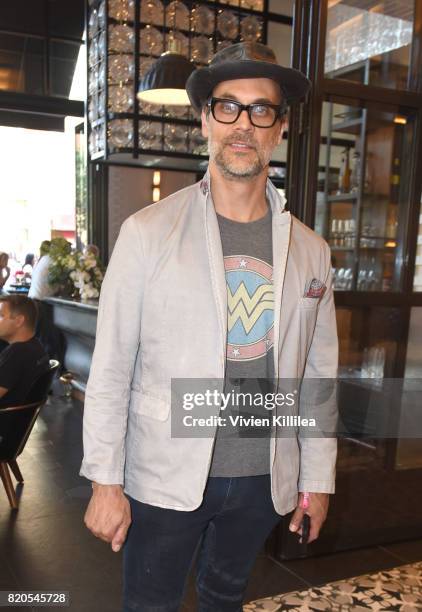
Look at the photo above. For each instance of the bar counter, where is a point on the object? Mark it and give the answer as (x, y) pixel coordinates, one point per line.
(77, 321)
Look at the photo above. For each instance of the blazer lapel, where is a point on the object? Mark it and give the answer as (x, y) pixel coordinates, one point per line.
(281, 226)
(216, 260)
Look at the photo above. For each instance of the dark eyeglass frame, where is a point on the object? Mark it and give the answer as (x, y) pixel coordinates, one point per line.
(279, 108)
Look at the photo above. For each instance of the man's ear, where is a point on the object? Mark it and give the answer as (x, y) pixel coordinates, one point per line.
(20, 320)
(204, 121)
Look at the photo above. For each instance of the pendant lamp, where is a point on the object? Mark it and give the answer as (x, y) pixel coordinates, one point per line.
(165, 81)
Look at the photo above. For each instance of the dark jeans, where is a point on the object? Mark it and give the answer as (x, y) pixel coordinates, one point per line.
(227, 531)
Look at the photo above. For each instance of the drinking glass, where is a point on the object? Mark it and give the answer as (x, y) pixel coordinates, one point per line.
(93, 23)
(197, 143)
(177, 15)
(250, 28)
(201, 49)
(334, 231)
(121, 9)
(151, 41)
(121, 38)
(121, 68)
(121, 133)
(175, 137)
(150, 135)
(341, 232)
(120, 98)
(202, 20)
(101, 14)
(152, 11)
(227, 24)
(348, 279)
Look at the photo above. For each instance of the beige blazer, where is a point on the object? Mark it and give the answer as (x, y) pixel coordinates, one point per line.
(163, 314)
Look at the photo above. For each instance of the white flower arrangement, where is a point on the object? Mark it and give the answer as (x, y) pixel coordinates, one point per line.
(86, 274)
(75, 273)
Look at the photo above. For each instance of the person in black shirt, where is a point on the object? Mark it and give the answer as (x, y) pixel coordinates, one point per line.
(24, 359)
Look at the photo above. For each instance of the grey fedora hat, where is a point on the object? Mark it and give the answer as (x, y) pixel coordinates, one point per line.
(245, 60)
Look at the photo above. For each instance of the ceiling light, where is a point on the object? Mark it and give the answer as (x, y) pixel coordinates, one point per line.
(165, 81)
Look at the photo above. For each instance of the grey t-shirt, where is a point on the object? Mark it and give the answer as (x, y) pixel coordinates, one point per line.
(248, 262)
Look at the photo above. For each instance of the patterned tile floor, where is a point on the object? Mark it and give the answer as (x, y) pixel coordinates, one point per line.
(395, 590)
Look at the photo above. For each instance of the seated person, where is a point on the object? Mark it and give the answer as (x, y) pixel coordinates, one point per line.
(24, 359)
(4, 270)
(28, 266)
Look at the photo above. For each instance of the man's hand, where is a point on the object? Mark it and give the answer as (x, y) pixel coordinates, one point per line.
(108, 514)
(317, 510)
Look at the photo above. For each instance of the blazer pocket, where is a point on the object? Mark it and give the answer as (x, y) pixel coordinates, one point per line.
(308, 303)
(145, 404)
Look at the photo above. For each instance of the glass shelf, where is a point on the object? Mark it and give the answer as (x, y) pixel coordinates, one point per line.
(350, 126)
(342, 197)
(362, 204)
(369, 42)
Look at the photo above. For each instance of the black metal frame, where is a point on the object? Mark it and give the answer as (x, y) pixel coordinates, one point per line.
(110, 156)
(308, 55)
(310, 23)
(304, 143)
(80, 130)
(163, 160)
(305, 140)
(97, 186)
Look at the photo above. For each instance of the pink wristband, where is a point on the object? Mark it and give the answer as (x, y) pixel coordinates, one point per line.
(305, 501)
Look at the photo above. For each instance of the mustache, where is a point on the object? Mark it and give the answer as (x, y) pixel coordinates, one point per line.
(243, 139)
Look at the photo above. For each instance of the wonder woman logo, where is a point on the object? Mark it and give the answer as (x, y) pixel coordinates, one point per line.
(248, 308)
(250, 300)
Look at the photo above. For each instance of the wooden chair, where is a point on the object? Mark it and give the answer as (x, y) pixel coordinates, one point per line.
(41, 386)
(16, 424)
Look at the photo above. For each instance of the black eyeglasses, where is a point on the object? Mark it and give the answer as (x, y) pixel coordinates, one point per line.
(260, 114)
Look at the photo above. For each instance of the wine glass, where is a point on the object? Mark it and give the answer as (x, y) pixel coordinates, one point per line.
(201, 49)
(227, 24)
(348, 279)
(121, 10)
(121, 38)
(250, 28)
(151, 41)
(152, 12)
(202, 20)
(340, 278)
(177, 15)
(334, 231)
(120, 98)
(121, 133)
(175, 137)
(121, 68)
(149, 135)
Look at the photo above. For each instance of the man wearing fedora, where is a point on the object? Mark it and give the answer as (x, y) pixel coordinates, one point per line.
(231, 287)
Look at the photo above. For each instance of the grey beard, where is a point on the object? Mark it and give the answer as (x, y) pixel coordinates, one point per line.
(235, 173)
(231, 172)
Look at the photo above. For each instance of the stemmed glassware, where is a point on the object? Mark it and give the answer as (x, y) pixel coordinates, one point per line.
(373, 362)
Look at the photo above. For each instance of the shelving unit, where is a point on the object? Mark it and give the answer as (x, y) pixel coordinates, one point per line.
(346, 203)
(389, 318)
(367, 257)
(150, 135)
